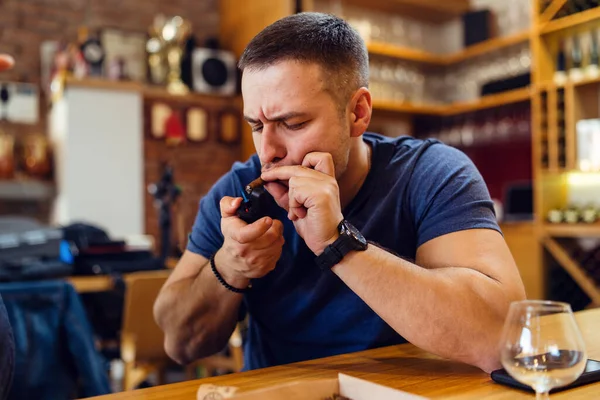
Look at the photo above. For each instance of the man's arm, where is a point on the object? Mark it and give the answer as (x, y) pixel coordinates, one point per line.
(194, 310)
(452, 302)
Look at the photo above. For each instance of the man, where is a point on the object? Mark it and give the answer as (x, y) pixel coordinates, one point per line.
(436, 271)
(7, 344)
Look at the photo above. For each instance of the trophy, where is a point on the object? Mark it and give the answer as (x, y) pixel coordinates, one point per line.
(165, 51)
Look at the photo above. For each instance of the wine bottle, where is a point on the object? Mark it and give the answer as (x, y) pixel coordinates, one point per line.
(560, 75)
(571, 7)
(575, 73)
(581, 5)
(592, 70)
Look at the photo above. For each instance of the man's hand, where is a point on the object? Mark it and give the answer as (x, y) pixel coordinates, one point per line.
(249, 250)
(313, 199)
(6, 62)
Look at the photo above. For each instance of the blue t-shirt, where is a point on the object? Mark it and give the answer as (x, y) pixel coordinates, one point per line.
(415, 191)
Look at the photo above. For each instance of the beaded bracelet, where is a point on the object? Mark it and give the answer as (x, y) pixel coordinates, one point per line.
(222, 281)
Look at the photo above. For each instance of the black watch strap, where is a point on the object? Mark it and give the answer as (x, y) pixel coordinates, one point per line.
(349, 239)
(330, 257)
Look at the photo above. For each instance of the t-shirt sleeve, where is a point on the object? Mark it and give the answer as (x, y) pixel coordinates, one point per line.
(448, 194)
(206, 236)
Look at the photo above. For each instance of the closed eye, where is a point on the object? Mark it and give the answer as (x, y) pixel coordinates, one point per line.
(295, 127)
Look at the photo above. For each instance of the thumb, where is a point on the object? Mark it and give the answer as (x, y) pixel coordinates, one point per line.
(229, 206)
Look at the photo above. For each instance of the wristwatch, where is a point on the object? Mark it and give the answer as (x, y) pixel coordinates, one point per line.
(350, 239)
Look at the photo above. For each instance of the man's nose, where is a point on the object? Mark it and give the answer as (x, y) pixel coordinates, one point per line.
(272, 148)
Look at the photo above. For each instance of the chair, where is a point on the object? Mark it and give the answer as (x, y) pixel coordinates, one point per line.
(142, 340)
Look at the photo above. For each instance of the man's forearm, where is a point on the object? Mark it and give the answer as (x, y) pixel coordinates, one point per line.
(453, 312)
(197, 315)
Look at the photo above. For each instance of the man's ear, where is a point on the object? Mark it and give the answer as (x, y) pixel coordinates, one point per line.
(360, 112)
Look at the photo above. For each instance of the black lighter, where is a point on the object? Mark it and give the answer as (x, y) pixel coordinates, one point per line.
(255, 203)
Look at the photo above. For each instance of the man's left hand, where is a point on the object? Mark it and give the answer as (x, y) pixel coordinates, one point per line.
(313, 199)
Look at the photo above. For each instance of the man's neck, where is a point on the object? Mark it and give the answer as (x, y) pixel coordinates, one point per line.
(359, 164)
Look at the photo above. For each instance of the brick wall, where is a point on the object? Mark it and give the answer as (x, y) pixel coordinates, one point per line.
(196, 165)
(25, 24)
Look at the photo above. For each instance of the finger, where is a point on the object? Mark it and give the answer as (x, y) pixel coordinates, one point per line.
(322, 162)
(300, 189)
(251, 232)
(276, 189)
(6, 62)
(271, 238)
(229, 206)
(287, 172)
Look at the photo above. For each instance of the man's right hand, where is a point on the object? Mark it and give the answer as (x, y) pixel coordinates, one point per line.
(249, 250)
(6, 62)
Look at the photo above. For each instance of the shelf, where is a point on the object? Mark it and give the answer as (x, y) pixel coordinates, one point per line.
(549, 85)
(571, 21)
(587, 81)
(573, 230)
(98, 83)
(405, 53)
(416, 55)
(551, 10)
(490, 101)
(151, 92)
(160, 93)
(487, 47)
(26, 190)
(407, 108)
(423, 10)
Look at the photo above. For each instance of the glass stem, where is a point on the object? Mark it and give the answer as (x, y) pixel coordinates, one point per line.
(542, 395)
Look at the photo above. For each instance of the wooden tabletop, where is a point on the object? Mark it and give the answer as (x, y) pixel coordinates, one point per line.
(403, 367)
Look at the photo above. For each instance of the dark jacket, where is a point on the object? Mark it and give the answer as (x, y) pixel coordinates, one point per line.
(56, 358)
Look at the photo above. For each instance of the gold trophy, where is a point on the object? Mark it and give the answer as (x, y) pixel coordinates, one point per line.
(165, 51)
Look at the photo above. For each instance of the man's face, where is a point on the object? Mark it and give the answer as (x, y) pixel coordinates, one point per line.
(291, 115)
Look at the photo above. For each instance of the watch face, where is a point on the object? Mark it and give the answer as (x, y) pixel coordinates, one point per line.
(349, 229)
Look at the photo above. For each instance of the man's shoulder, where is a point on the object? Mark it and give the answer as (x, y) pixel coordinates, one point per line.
(406, 150)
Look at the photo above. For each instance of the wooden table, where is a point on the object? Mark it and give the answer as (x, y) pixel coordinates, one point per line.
(404, 367)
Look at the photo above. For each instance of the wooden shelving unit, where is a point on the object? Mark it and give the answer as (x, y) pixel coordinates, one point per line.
(551, 11)
(408, 108)
(420, 56)
(578, 20)
(424, 10)
(555, 113)
(153, 92)
(405, 53)
(488, 46)
(490, 101)
(572, 230)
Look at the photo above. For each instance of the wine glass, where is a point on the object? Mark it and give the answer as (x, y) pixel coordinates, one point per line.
(541, 345)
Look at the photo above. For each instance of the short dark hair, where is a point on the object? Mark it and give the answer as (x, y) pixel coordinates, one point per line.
(313, 37)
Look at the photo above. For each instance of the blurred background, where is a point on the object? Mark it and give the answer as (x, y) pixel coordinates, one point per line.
(119, 115)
